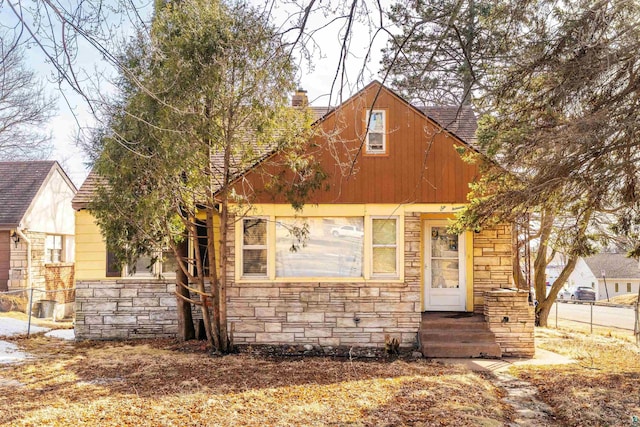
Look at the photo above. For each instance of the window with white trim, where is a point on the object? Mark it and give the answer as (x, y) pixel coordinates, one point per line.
(53, 249)
(143, 267)
(157, 265)
(376, 139)
(319, 247)
(254, 247)
(384, 246)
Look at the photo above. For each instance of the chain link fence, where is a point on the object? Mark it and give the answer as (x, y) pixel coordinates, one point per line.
(597, 316)
(54, 304)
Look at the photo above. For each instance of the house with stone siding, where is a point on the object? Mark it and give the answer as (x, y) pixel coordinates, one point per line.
(377, 263)
(37, 228)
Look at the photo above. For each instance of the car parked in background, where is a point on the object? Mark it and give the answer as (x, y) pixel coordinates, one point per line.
(564, 294)
(583, 293)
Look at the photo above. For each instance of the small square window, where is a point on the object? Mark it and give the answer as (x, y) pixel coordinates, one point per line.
(376, 132)
(53, 249)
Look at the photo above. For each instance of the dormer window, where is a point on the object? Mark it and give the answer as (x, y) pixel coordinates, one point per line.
(376, 139)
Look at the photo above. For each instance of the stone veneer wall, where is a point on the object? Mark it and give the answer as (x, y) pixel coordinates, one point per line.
(123, 309)
(324, 314)
(492, 262)
(18, 265)
(511, 319)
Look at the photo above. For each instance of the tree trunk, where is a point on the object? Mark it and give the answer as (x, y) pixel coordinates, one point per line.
(213, 278)
(541, 261)
(222, 279)
(545, 302)
(186, 329)
(542, 314)
(200, 278)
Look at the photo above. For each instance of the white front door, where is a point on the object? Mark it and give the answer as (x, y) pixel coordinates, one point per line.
(444, 269)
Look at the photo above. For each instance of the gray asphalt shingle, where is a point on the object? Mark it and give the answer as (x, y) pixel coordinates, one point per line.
(616, 266)
(19, 184)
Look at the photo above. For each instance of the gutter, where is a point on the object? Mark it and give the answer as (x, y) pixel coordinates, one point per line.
(29, 281)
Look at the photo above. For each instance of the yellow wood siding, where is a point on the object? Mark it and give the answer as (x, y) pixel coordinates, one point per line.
(91, 252)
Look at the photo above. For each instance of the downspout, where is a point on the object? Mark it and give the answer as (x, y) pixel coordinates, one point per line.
(29, 282)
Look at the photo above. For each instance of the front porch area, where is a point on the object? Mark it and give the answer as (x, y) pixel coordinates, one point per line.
(504, 328)
(458, 335)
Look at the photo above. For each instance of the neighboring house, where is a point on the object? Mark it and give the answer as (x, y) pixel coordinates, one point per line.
(377, 258)
(580, 276)
(620, 274)
(36, 229)
(609, 274)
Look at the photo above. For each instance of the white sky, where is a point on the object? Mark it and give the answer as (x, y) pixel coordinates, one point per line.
(317, 82)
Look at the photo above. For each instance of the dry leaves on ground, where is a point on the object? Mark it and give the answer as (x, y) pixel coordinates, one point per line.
(153, 383)
(602, 388)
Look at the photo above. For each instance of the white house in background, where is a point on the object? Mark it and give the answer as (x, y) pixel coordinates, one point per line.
(37, 230)
(622, 274)
(581, 275)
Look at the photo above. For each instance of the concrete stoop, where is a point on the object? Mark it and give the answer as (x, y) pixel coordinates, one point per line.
(457, 335)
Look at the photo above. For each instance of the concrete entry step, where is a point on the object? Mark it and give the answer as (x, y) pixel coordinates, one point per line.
(457, 335)
(461, 350)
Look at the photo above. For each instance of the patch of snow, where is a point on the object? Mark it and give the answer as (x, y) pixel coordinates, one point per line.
(9, 353)
(10, 327)
(63, 334)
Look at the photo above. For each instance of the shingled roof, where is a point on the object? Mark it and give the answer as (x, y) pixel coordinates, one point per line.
(616, 266)
(85, 193)
(461, 121)
(19, 184)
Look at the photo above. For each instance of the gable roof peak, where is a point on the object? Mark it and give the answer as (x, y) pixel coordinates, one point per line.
(20, 182)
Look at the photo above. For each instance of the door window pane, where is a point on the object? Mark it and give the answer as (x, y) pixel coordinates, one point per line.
(445, 274)
(443, 244)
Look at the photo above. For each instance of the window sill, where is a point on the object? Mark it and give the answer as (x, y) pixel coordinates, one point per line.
(59, 264)
(355, 280)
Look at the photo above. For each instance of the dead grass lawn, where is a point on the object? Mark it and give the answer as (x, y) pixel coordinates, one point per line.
(602, 389)
(629, 299)
(156, 383)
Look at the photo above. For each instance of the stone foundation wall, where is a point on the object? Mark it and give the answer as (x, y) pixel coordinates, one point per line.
(511, 319)
(329, 314)
(125, 309)
(492, 262)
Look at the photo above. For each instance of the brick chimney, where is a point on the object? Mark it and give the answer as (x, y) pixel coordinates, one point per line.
(299, 99)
